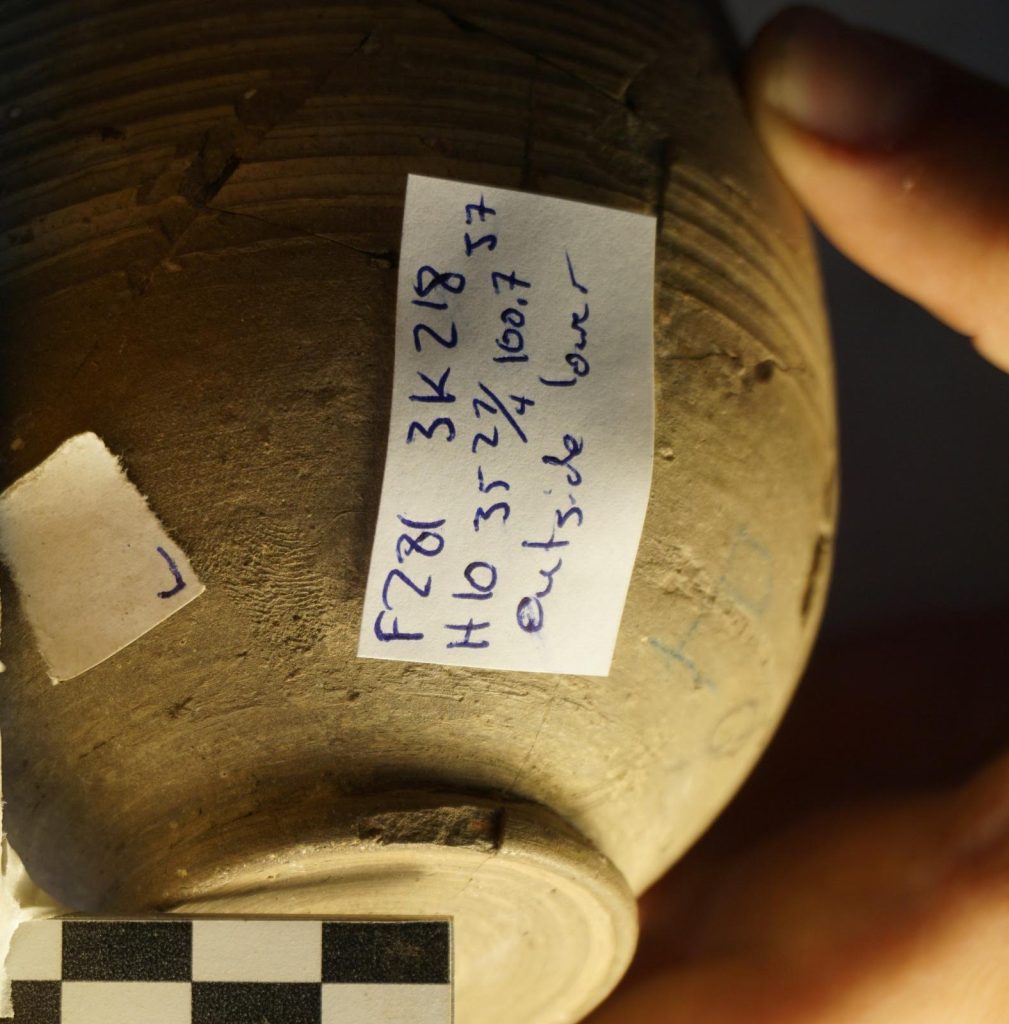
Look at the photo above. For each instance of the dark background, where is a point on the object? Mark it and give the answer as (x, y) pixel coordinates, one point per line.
(924, 421)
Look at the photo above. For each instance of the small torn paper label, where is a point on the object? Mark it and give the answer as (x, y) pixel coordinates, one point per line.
(522, 429)
(94, 567)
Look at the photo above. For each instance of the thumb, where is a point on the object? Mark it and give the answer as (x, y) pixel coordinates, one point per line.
(901, 159)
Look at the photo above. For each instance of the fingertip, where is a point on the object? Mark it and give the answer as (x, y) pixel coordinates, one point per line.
(993, 345)
(901, 160)
(839, 83)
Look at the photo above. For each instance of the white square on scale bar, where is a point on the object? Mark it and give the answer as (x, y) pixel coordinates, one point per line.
(126, 1002)
(260, 951)
(36, 952)
(390, 1004)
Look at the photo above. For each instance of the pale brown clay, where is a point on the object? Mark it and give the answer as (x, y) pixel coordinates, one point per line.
(201, 210)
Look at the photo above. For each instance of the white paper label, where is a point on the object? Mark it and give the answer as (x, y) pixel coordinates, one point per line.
(521, 437)
(94, 567)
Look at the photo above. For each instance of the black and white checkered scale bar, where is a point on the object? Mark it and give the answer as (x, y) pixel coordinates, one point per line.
(231, 971)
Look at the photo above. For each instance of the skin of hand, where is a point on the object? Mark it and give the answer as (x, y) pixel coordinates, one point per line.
(894, 912)
(902, 161)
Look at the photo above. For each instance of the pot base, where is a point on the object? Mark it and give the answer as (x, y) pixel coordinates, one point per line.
(544, 926)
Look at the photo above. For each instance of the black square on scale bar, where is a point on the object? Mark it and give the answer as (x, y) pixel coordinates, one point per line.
(127, 951)
(35, 1002)
(245, 1002)
(385, 953)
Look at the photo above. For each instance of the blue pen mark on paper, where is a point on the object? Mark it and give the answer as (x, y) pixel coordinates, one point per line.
(500, 312)
(180, 583)
(571, 273)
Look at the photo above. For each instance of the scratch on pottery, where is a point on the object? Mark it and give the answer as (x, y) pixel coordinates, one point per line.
(734, 730)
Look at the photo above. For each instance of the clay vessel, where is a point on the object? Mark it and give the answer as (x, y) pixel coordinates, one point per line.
(201, 212)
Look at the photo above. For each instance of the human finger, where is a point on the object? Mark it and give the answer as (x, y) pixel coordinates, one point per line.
(902, 160)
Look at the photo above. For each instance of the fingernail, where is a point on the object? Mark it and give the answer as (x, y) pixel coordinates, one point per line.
(843, 84)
